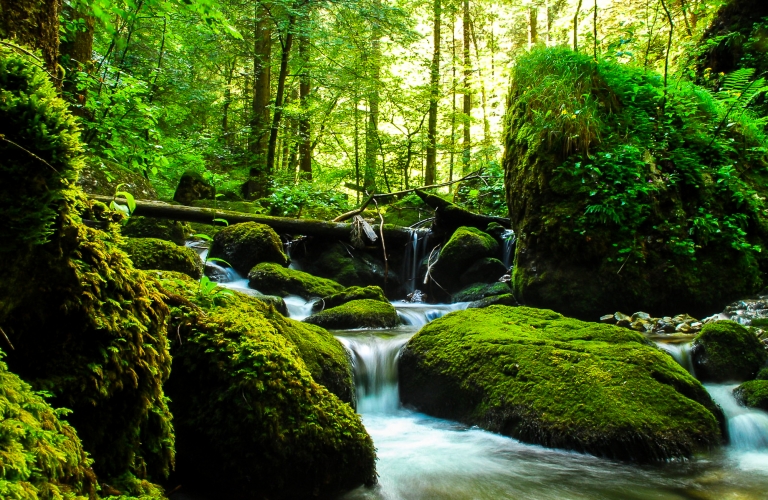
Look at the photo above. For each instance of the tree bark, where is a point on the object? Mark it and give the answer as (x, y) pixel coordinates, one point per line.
(278, 114)
(305, 139)
(466, 153)
(430, 172)
(372, 124)
(262, 58)
(34, 23)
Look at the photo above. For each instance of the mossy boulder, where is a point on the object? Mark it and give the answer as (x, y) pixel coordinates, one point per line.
(193, 187)
(107, 177)
(247, 244)
(543, 378)
(479, 291)
(41, 455)
(486, 270)
(725, 351)
(274, 279)
(86, 326)
(252, 421)
(753, 393)
(466, 246)
(614, 211)
(350, 267)
(153, 253)
(150, 227)
(348, 295)
(506, 299)
(365, 313)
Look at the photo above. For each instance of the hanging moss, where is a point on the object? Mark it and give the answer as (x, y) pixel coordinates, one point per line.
(250, 419)
(627, 195)
(543, 378)
(273, 279)
(153, 253)
(86, 326)
(40, 454)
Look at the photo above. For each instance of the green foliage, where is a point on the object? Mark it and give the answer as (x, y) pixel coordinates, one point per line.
(305, 199)
(41, 456)
(249, 416)
(544, 378)
(634, 179)
(40, 150)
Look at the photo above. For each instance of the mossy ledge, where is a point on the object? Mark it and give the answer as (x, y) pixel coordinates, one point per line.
(540, 377)
(274, 279)
(251, 420)
(364, 313)
(753, 394)
(154, 253)
(725, 351)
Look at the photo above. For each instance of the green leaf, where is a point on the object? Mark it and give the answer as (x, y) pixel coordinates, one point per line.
(216, 259)
(128, 198)
(202, 236)
(223, 221)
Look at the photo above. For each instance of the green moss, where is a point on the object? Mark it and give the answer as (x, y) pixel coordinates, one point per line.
(725, 351)
(86, 326)
(365, 313)
(616, 210)
(41, 455)
(250, 418)
(153, 253)
(348, 295)
(506, 299)
(164, 229)
(273, 279)
(544, 378)
(247, 244)
(478, 291)
(466, 246)
(350, 267)
(753, 393)
(762, 374)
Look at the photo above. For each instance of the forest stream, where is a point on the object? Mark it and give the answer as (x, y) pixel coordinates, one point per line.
(422, 457)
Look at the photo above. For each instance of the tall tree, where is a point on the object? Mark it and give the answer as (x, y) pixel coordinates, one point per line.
(374, 98)
(430, 171)
(305, 139)
(262, 62)
(467, 108)
(286, 43)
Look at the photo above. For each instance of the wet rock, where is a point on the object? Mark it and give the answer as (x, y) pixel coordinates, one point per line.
(608, 318)
(753, 394)
(351, 267)
(506, 299)
(725, 351)
(149, 227)
(364, 313)
(273, 279)
(193, 187)
(478, 291)
(247, 244)
(641, 316)
(348, 295)
(466, 246)
(486, 270)
(152, 253)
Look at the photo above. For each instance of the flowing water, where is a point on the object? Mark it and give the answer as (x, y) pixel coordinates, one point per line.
(509, 238)
(415, 252)
(420, 457)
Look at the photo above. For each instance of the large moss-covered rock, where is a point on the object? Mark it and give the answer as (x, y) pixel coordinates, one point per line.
(466, 246)
(153, 253)
(273, 279)
(364, 313)
(150, 227)
(725, 351)
(486, 270)
(753, 393)
(348, 295)
(86, 326)
(41, 455)
(543, 378)
(247, 244)
(252, 420)
(617, 211)
(106, 178)
(350, 267)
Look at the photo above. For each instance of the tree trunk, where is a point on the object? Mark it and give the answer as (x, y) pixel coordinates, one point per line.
(466, 153)
(34, 23)
(262, 59)
(305, 142)
(533, 26)
(576, 27)
(430, 173)
(372, 125)
(278, 114)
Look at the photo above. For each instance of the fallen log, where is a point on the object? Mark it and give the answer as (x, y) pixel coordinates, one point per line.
(281, 225)
(448, 217)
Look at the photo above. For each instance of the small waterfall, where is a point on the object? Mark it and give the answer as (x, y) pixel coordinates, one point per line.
(419, 314)
(681, 351)
(288, 247)
(509, 238)
(747, 427)
(414, 253)
(374, 358)
(298, 308)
